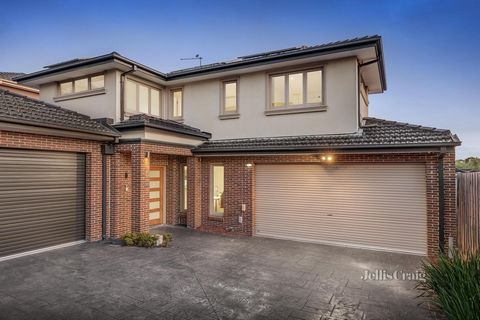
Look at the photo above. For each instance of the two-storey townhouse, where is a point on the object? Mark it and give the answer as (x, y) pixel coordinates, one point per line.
(278, 144)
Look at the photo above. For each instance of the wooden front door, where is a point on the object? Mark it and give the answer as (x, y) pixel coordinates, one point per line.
(156, 195)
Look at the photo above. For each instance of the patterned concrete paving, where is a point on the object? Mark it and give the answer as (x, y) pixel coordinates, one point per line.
(205, 276)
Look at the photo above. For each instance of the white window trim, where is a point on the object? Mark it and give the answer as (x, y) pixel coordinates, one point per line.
(83, 93)
(129, 112)
(212, 212)
(170, 104)
(229, 114)
(301, 108)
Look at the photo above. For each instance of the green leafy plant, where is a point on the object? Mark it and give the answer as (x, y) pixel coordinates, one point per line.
(141, 239)
(167, 239)
(454, 284)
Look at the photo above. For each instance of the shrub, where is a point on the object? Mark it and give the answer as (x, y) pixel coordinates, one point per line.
(167, 238)
(142, 239)
(454, 285)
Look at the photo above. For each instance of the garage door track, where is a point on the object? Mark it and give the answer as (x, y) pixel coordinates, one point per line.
(206, 276)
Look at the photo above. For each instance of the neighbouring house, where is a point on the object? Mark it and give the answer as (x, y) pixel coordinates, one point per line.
(7, 83)
(277, 144)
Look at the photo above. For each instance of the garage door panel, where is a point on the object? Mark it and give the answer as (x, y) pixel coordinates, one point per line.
(43, 199)
(379, 206)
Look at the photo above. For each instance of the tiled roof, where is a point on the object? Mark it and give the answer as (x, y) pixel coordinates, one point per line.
(140, 120)
(20, 109)
(376, 133)
(10, 75)
(242, 61)
(275, 53)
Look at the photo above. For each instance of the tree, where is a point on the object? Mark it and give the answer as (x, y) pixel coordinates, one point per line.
(471, 163)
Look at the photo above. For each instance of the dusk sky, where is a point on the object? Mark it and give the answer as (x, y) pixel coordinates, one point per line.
(431, 48)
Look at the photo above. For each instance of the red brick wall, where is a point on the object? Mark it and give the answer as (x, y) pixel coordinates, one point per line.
(239, 188)
(127, 206)
(92, 151)
(121, 194)
(134, 216)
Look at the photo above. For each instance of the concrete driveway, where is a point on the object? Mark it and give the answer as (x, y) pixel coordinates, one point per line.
(205, 276)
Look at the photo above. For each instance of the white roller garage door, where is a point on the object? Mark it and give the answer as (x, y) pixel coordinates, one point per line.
(377, 206)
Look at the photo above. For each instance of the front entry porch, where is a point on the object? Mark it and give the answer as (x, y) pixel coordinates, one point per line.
(149, 186)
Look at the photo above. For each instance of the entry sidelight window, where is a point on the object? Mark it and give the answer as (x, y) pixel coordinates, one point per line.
(217, 191)
(184, 189)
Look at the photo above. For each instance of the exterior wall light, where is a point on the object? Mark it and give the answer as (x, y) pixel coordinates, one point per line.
(327, 158)
(147, 154)
(249, 165)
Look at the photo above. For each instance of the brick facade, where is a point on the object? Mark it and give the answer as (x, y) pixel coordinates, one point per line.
(240, 184)
(128, 184)
(93, 156)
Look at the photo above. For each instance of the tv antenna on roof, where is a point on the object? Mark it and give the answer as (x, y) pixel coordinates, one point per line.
(197, 57)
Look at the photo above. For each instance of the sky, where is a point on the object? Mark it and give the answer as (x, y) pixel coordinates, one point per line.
(431, 48)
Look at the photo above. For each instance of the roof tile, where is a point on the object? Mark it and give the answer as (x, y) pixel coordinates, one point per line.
(376, 133)
(21, 109)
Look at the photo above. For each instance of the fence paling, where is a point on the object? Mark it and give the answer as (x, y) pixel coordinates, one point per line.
(468, 211)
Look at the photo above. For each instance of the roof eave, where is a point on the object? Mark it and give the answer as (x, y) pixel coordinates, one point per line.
(201, 134)
(44, 125)
(358, 44)
(96, 60)
(326, 148)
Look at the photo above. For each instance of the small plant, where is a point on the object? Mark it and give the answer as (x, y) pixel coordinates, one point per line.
(167, 239)
(454, 285)
(141, 239)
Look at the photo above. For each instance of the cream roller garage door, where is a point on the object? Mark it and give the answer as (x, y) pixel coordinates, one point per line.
(376, 206)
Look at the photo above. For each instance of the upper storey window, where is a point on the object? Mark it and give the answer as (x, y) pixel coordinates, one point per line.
(296, 89)
(84, 84)
(176, 112)
(141, 98)
(229, 107)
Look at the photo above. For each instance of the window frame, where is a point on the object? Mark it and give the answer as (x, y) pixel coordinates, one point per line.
(89, 85)
(212, 212)
(300, 108)
(137, 83)
(170, 109)
(224, 114)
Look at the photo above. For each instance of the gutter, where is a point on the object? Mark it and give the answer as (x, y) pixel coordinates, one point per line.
(431, 149)
(127, 126)
(34, 124)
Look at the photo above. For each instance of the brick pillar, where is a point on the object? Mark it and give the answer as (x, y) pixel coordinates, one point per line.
(173, 190)
(450, 217)
(431, 170)
(94, 195)
(140, 186)
(194, 210)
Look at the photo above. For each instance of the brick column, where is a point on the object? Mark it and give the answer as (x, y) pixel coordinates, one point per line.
(140, 186)
(194, 210)
(450, 217)
(94, 195)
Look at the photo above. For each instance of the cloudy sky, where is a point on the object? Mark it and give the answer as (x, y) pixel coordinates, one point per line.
(431, 47)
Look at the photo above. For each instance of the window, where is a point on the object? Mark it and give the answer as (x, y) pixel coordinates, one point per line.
(82, 85)
(177, 104)
(97, 82)
(230, 97)
(184, 189)
(296, 89)
(141, 98)
(217, 193)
